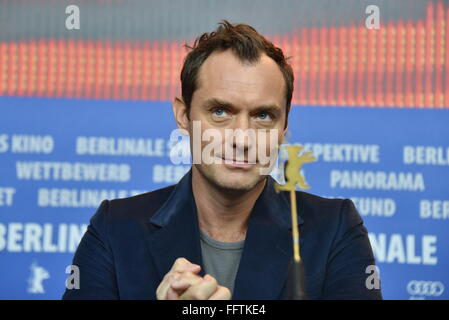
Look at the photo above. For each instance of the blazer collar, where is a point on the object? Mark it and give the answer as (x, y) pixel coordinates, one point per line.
(182, 197)
(267, 251)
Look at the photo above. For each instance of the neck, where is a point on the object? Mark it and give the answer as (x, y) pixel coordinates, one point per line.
(222, 214)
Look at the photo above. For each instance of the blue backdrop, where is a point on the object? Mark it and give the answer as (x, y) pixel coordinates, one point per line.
(59, 158)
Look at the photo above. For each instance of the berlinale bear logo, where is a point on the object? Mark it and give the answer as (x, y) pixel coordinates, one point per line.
(38, 275)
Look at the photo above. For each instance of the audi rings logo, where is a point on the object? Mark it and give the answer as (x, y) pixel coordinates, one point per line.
(425, 288)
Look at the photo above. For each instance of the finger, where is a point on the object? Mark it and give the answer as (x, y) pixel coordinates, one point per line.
(191, 267)
(222, 293)
(209, 277)
(173, 277)
(200, 291)
(172, 294)
(161, 291)
(174, 291)
(185, 280)
(182, 264)
(179, 286)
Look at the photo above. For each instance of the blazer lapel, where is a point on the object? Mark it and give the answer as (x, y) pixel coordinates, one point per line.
(267, 252)
(177, 233)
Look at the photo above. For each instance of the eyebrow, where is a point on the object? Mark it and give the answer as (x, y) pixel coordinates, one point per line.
(216, 103)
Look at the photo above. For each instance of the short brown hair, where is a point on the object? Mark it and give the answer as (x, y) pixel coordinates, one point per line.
(245, 42)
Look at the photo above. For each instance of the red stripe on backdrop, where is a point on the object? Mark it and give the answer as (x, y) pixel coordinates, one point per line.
(286, 45)
(41, 59)
(11, 79)
(439, 41)
(89, 63)
(137, 69)
(21, 71)
(126, 63)
(78, 68)
(127, 71)
(361, 49)
(180, 59)
(305, 65)
(130, 69)
(164, 71)
(341, 66)
(419, 64)
(380, 67)
(70, 76)
(322, 66)
(79, 72)
(333, 66)
(60, 68)
(409, 64)
(118, 75)
(173, 68)
(446, 61)
(370, 62)
(399, 70)
(389, 99)
(352, 48)
(51, 67)
(332, 62)
(3, 50)
(296, 65)
(313, 61)
(429, 57)
(108, 70)
(154, 70)
(99, 65)
(145, 74)
(31, 69)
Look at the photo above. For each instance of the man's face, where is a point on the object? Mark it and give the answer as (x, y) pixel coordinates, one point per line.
(233, 95)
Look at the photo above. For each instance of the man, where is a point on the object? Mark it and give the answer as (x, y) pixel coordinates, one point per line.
(223, 231)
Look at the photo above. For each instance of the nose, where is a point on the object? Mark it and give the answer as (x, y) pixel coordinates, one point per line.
(243, 137)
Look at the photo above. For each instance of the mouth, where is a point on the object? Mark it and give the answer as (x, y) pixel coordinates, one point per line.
(238, 164)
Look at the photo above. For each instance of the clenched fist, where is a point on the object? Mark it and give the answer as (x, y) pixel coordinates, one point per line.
(182, 282)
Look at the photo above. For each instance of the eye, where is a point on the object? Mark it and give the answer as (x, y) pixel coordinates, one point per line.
(219, 112)
(264, 116)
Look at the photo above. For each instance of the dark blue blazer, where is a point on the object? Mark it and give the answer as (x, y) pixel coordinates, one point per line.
(131, 243)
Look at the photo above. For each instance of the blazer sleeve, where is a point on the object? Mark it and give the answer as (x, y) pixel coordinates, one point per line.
(350, 255)
(95, 261)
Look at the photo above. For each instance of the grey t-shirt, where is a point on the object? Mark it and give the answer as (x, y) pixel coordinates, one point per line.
(221, 259)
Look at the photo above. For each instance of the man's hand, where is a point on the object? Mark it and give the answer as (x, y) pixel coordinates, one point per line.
(180, 266)
(197, 288)
(182, 282)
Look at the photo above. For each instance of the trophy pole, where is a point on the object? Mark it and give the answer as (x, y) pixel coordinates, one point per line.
(295, 229)
(293, 178)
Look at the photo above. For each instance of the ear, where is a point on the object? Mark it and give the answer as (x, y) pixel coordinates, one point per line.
(181, 113)
(285, 131)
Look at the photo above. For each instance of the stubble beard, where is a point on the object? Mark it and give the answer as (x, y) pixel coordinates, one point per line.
(237, 186)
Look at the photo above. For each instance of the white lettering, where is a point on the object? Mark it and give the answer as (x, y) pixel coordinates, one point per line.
(434, 209)
(377, 180)
(7, 196)
(396, 249)
(426, 155)
(34, 237)
(344, 152)
(168, 173)
(32, 144)
(66, 171)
